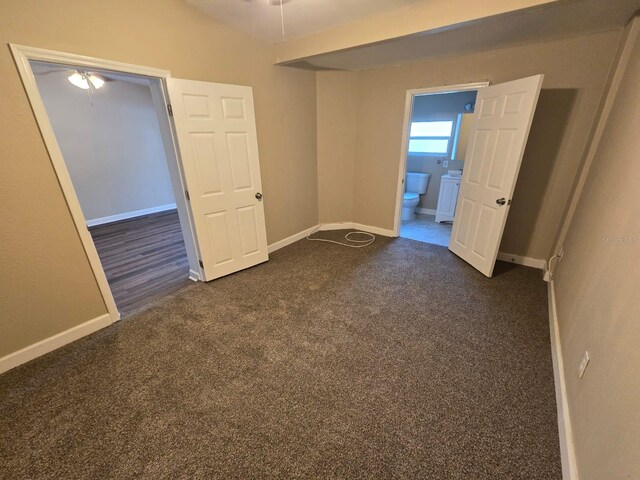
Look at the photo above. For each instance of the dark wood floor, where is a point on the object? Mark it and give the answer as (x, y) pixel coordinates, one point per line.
(144, 258)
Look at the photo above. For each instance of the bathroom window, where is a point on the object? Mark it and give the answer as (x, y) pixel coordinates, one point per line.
(432, 138)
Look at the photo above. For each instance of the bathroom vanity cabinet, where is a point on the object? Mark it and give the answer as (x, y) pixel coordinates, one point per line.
(447, 198)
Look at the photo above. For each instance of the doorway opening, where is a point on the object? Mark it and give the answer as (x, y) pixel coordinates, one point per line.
(125, 176)
(498, 135)
(210, 143)
(435, 137)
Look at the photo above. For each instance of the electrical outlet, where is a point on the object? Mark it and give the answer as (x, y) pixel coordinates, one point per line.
(584, 361)
(550, 265)
(445, 163)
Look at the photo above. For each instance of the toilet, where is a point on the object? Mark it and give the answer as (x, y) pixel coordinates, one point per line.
(415, 184)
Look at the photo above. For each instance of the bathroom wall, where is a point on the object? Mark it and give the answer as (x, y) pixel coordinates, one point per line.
(433, 108)
(110, 142)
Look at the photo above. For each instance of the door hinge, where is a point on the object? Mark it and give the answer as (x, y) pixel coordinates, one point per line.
(201, 264)
(186, 194)
(170, 110)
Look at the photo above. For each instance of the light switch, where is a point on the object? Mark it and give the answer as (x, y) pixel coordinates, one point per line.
(584, 361)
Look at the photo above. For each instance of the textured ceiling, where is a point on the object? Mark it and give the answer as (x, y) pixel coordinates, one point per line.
(261, 19)
(564, 20)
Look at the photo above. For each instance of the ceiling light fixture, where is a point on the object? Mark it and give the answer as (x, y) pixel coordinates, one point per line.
(85, 80)
(96, 81)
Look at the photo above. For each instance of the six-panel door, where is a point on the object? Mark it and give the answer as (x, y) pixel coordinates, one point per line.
(504, 113)
(215, 126)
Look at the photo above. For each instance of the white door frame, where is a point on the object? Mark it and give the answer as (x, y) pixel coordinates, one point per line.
(22, 55)
(408, 111)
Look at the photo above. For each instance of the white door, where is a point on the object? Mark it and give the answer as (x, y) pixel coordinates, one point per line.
(216, 130)
(497, 139)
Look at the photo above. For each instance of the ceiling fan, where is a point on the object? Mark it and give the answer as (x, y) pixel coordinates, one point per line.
(86, 80)
(275, 3)
(81, 78)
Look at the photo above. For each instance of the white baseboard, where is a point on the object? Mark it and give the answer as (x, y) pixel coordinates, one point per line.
(426, 211)
(127, 215)
(193, 275)
(567, 450)
(336, 226)
(56, 341)
(520, 260)
(289, 240)
(376, 230)
(328, 226)
(357, 226)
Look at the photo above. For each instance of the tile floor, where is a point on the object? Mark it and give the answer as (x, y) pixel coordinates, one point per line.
(425, 229)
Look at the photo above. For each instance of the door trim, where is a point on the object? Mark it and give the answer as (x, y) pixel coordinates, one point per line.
(408, 110)
(22, 55)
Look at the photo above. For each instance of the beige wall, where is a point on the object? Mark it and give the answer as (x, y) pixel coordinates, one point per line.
(111, 144)
(598, 305)
(45, 282)
(575, 75)
(337, 104)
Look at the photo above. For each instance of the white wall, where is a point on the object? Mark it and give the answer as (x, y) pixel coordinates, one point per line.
(113, 148)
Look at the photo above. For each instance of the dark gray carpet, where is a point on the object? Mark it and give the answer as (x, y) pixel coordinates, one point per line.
(393, 361)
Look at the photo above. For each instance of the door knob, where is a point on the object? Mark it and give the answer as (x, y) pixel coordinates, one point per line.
(259, 196)
(501, 201)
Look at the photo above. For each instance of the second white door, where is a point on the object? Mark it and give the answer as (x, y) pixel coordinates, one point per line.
(504, 113)
(216, 131)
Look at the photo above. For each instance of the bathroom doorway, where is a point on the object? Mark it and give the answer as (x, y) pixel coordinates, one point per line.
(435, 137)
